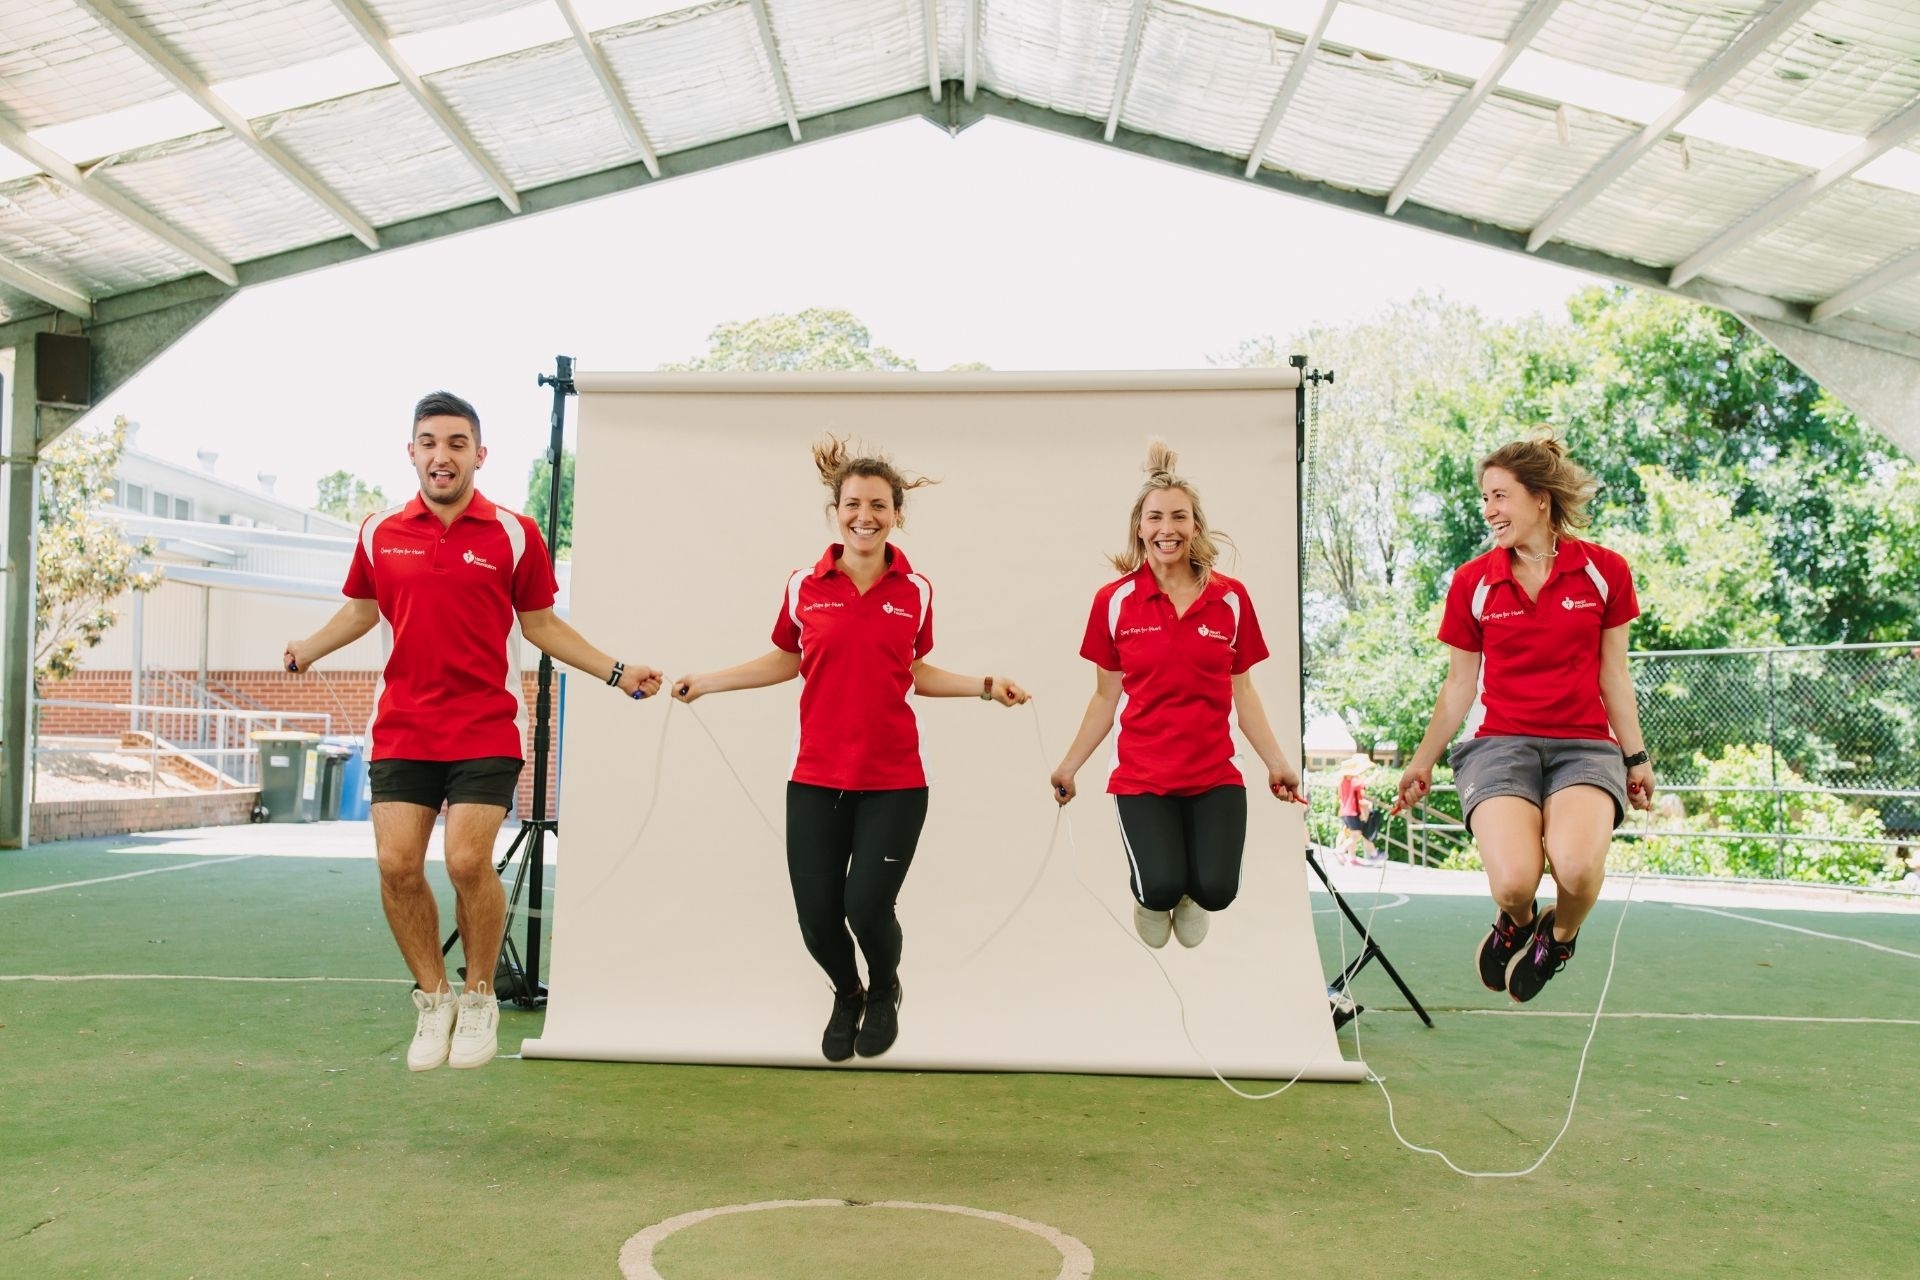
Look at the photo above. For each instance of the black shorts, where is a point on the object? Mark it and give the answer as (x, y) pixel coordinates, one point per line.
(488, 780)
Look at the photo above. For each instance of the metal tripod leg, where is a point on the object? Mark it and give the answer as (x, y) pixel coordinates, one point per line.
(1372, 951)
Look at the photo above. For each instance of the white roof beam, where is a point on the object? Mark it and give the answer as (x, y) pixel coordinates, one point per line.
(1891, 133)
(616, 96)
(162, 59)
(927, 16)
(1129, 54)
(98, 193)
(1752, 42)
(1853, 295)
(54, 294)
(1517, 41)
(431, 102)
(970, 51)
(779, 69)
(1302, 62)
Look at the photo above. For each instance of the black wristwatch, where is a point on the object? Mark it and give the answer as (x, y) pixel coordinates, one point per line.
(1638, 757)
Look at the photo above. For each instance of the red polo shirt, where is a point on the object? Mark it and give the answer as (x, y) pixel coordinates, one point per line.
(1176, 681)
(1539, 659)
(449, 601)
(858, 730)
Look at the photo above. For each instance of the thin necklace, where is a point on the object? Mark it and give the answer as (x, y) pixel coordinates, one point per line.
(1548, 554)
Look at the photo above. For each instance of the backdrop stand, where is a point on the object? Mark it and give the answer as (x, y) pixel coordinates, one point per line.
(1343, 1007)
(513, 980)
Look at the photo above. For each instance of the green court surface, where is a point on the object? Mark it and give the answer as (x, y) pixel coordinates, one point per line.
(1751, 1107)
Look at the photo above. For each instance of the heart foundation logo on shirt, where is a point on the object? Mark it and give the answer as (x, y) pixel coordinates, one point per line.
(888, 608)
(1208, 633)
(471, 558)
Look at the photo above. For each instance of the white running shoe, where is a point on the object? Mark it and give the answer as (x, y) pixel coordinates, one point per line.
(1189, 922)
(476, 1036)
(431, 1031)
(1154, 927)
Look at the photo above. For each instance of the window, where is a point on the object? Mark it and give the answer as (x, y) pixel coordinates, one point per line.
(182, 509)
(135, 498)
(162, 504)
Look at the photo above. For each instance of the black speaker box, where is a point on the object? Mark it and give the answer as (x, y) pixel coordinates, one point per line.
(62, 369)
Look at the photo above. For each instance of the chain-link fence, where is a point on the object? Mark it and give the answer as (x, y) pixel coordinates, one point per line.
(1772, 763)
(1796, 763)
(1840, 717)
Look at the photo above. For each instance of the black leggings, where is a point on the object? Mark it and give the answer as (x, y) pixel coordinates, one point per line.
(1185, 846)
(847, 855)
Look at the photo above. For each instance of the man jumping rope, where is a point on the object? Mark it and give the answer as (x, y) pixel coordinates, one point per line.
(451, 578)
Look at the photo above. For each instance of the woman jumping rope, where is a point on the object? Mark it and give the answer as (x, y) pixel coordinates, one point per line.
(1536, 631)
(856, 628)
(1173, 642)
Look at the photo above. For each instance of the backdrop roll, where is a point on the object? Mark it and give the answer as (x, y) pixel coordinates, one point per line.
(695, 498)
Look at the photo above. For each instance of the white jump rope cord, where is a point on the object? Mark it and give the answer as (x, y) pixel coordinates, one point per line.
(1580, 1070)
(331, 693)
(1061, 819)
(1134, 937)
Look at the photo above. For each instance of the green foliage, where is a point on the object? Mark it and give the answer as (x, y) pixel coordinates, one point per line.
(539, 494)
(1742, 816)
(1379, 669)
(1673, 407)
(817, 338)
(1387, 368)
(346, 496)
(1716, 568)
(1755, 510)
(83, 562)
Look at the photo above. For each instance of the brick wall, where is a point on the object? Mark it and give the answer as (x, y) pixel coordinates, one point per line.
(80, 819)
(345, 695)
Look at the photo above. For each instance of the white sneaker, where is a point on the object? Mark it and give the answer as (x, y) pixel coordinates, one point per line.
(431, 1031)
(1154, 927)
(1189, 922)
(476, 1036)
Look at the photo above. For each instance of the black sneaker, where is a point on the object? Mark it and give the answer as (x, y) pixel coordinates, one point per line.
(882, 1024)
(1529, 971)
(1502, 943)
(837, 1044)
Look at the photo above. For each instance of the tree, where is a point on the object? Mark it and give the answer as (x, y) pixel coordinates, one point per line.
(1754, 509)
(346, 496)
(539, 492)
(1714, 569)
(83, 562)
(1385, 367)
(817, 338)
(1633, 380)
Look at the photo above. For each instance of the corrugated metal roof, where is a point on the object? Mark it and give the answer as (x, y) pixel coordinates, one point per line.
(1195, 84)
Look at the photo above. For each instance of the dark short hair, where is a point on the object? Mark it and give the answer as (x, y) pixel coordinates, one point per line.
(445, 404)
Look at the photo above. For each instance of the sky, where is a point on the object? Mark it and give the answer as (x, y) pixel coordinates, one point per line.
(1004, 244)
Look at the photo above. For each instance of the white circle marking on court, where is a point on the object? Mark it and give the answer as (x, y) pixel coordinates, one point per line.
(636, 1256)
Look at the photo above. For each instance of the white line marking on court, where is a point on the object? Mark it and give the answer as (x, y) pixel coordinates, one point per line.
(1399, 900)
(1814, 933)
(172, 977)
(131, 875)
(1693, 1017)
(636, 1256)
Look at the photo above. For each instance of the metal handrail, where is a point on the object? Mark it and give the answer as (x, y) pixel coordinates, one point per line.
(225, 721)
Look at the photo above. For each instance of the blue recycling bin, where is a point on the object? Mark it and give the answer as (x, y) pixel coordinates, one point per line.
(356, 789)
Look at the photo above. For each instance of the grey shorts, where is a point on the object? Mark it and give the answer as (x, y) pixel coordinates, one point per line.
(1535, 768)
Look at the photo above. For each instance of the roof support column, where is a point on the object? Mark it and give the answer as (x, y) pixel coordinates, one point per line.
(19, 492)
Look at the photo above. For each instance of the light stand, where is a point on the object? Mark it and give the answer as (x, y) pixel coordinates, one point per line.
(513, 980)
(1342, 1006)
